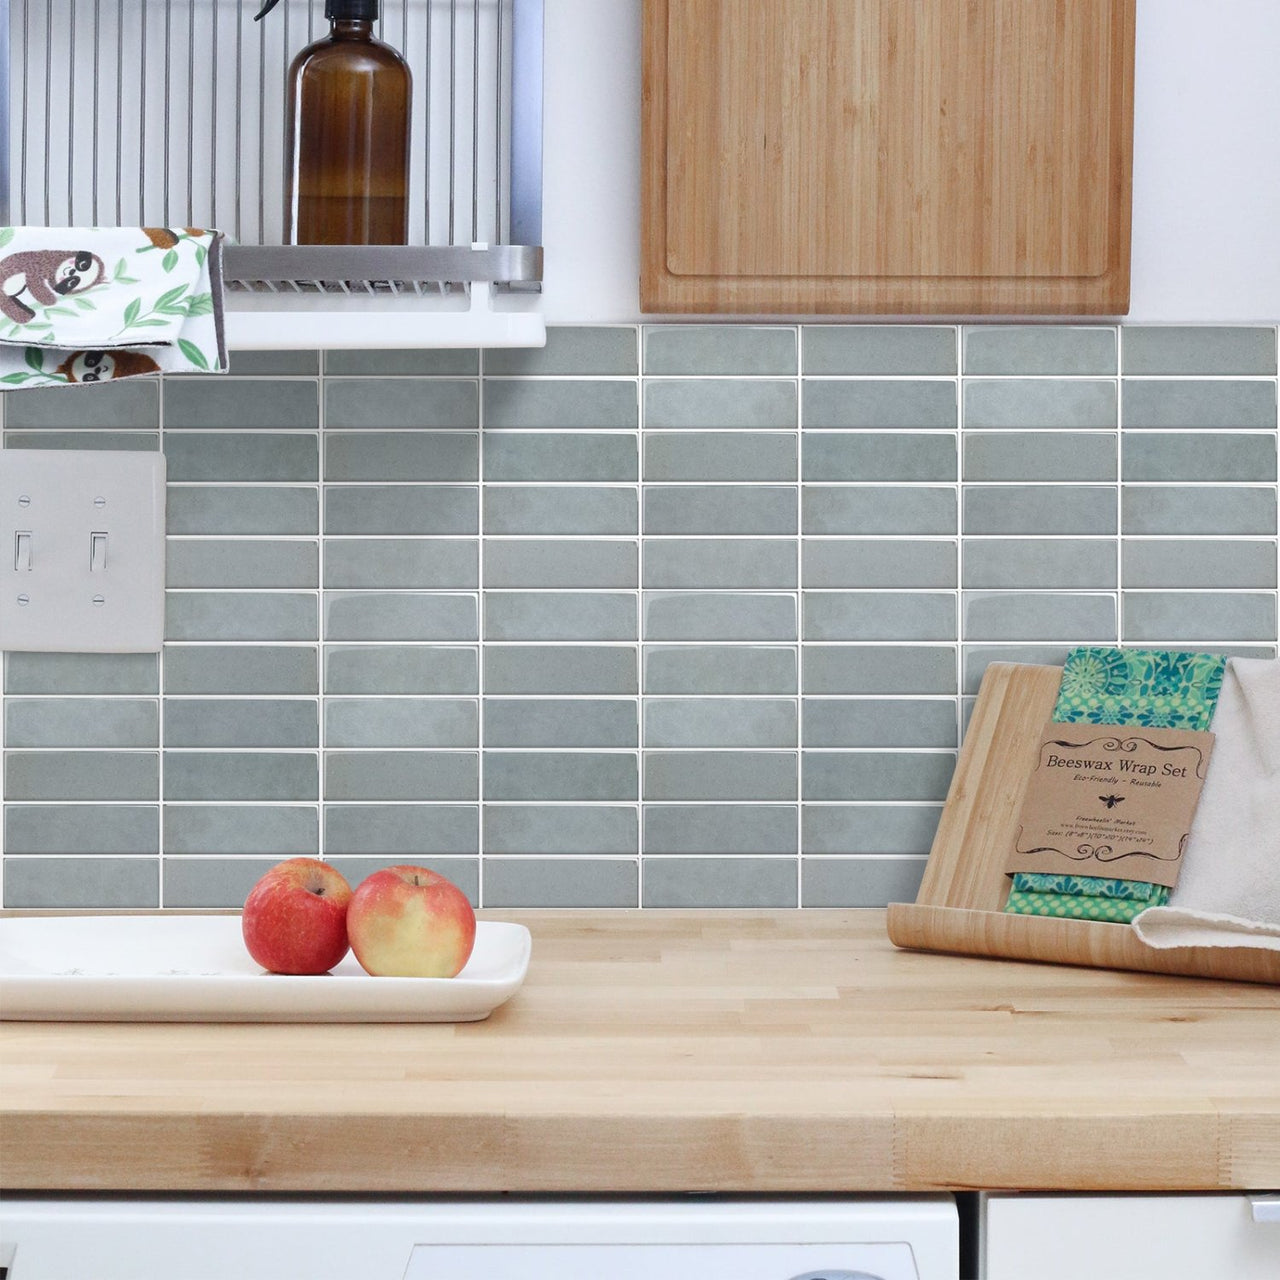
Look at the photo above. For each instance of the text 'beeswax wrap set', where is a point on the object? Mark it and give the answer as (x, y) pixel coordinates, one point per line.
(1135, 737)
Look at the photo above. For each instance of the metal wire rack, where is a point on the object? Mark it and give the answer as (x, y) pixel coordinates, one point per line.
(171, 112)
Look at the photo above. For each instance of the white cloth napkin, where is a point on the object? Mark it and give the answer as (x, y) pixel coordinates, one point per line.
(92, 304)
(1228, 892)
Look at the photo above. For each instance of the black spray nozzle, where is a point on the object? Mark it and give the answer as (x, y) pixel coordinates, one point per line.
(349, 10)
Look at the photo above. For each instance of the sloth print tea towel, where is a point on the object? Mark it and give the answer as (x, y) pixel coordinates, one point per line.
(91, 304)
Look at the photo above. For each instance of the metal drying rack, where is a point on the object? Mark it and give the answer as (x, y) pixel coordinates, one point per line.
(171, 112)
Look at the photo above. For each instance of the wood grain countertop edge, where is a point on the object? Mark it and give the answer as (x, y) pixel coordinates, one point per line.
(893, 1137)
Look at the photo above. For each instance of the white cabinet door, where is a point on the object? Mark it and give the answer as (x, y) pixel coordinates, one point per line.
(1130, 1237)
(284, 1238)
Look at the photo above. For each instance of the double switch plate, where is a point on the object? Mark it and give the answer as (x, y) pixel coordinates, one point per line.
(81, 550)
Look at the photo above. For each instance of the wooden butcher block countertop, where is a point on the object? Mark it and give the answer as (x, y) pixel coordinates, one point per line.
(682, 1051)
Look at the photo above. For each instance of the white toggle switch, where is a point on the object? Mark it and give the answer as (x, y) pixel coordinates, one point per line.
(75, 504)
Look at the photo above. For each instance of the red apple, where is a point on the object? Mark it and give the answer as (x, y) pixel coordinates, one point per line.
(410, 922)
(295, 917)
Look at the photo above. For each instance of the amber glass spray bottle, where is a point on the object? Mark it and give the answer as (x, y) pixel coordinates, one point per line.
(347, 148)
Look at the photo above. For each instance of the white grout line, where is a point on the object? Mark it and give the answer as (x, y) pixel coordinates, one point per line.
(161, 860)
(480, 632)
(799, 613)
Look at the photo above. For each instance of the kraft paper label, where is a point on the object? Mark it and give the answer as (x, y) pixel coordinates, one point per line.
(1111, 800)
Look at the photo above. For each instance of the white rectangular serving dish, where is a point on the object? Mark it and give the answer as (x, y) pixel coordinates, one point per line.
(194, 968)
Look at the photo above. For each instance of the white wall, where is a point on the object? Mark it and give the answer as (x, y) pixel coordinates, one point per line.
(1206, 207)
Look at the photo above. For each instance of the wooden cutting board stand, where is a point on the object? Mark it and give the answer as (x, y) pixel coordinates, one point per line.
(960, 904)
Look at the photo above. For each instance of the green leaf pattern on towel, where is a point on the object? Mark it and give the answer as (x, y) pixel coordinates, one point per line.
(193, 353)
(140, 317)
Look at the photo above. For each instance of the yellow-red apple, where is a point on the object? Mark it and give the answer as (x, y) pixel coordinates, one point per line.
(295, 917)
(410, 922)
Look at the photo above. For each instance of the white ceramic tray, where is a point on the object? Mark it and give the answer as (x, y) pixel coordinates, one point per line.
(191, 968)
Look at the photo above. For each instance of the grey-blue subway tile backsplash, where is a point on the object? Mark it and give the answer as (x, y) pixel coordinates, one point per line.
(719, 402)
(879, 405)
(240, 775)
(224, 456)
(236, 403)
(720, 882)
(282, 831)
(401, 402)
(373, 363)
(560, 615)
(875, 456)
(561, 722)
(402, 455)
(879, 349)
(397, 832)
(1040, 402)
(860, 882)
(1178, 511)
(214, 564)
(1203, 349)
(212, 509)
(665, 615)
(81, 722)
(561, 457)
(883, 562)
(402, 722)
(82, 828)
(571, 349)
(1055, 456)
(870, 828)
(1086, 564)
(582, 511)
(708, 349)
(558, 829)
(127, 406)
(402, 508)
(548, 405)
(1039, 349)
(241, 722)
(720, 828)
(1187, 563)
(401, 615)
(240, 615)
(1192, 458)
(410, 564)
(719, 615)
(1191, 405)
(761, 456)
(740, 668)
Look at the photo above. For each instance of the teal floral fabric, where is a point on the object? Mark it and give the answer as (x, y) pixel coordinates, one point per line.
(1156, 688)
(1090, 887)
(1139, 686)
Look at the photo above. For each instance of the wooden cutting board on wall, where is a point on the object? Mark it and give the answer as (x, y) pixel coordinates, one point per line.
(887, 156)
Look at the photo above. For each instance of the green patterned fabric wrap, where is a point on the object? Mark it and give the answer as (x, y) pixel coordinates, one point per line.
(1139, 686)
(1155, 688)
(1074, 906)
(1089, 887)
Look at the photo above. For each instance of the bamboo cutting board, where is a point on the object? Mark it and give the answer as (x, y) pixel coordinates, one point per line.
(887, 156)
(960, 904)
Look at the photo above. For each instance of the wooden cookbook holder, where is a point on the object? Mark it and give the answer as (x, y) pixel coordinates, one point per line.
(960, 904)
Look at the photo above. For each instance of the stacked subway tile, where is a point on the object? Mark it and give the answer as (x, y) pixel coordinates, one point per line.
(664, 615)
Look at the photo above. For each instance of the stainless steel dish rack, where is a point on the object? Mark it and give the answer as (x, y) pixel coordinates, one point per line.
(171, 112)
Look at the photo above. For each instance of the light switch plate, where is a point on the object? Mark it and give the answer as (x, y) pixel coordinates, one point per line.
(82, 550)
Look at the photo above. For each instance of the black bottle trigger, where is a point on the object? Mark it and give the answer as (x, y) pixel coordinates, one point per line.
(351, 10)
